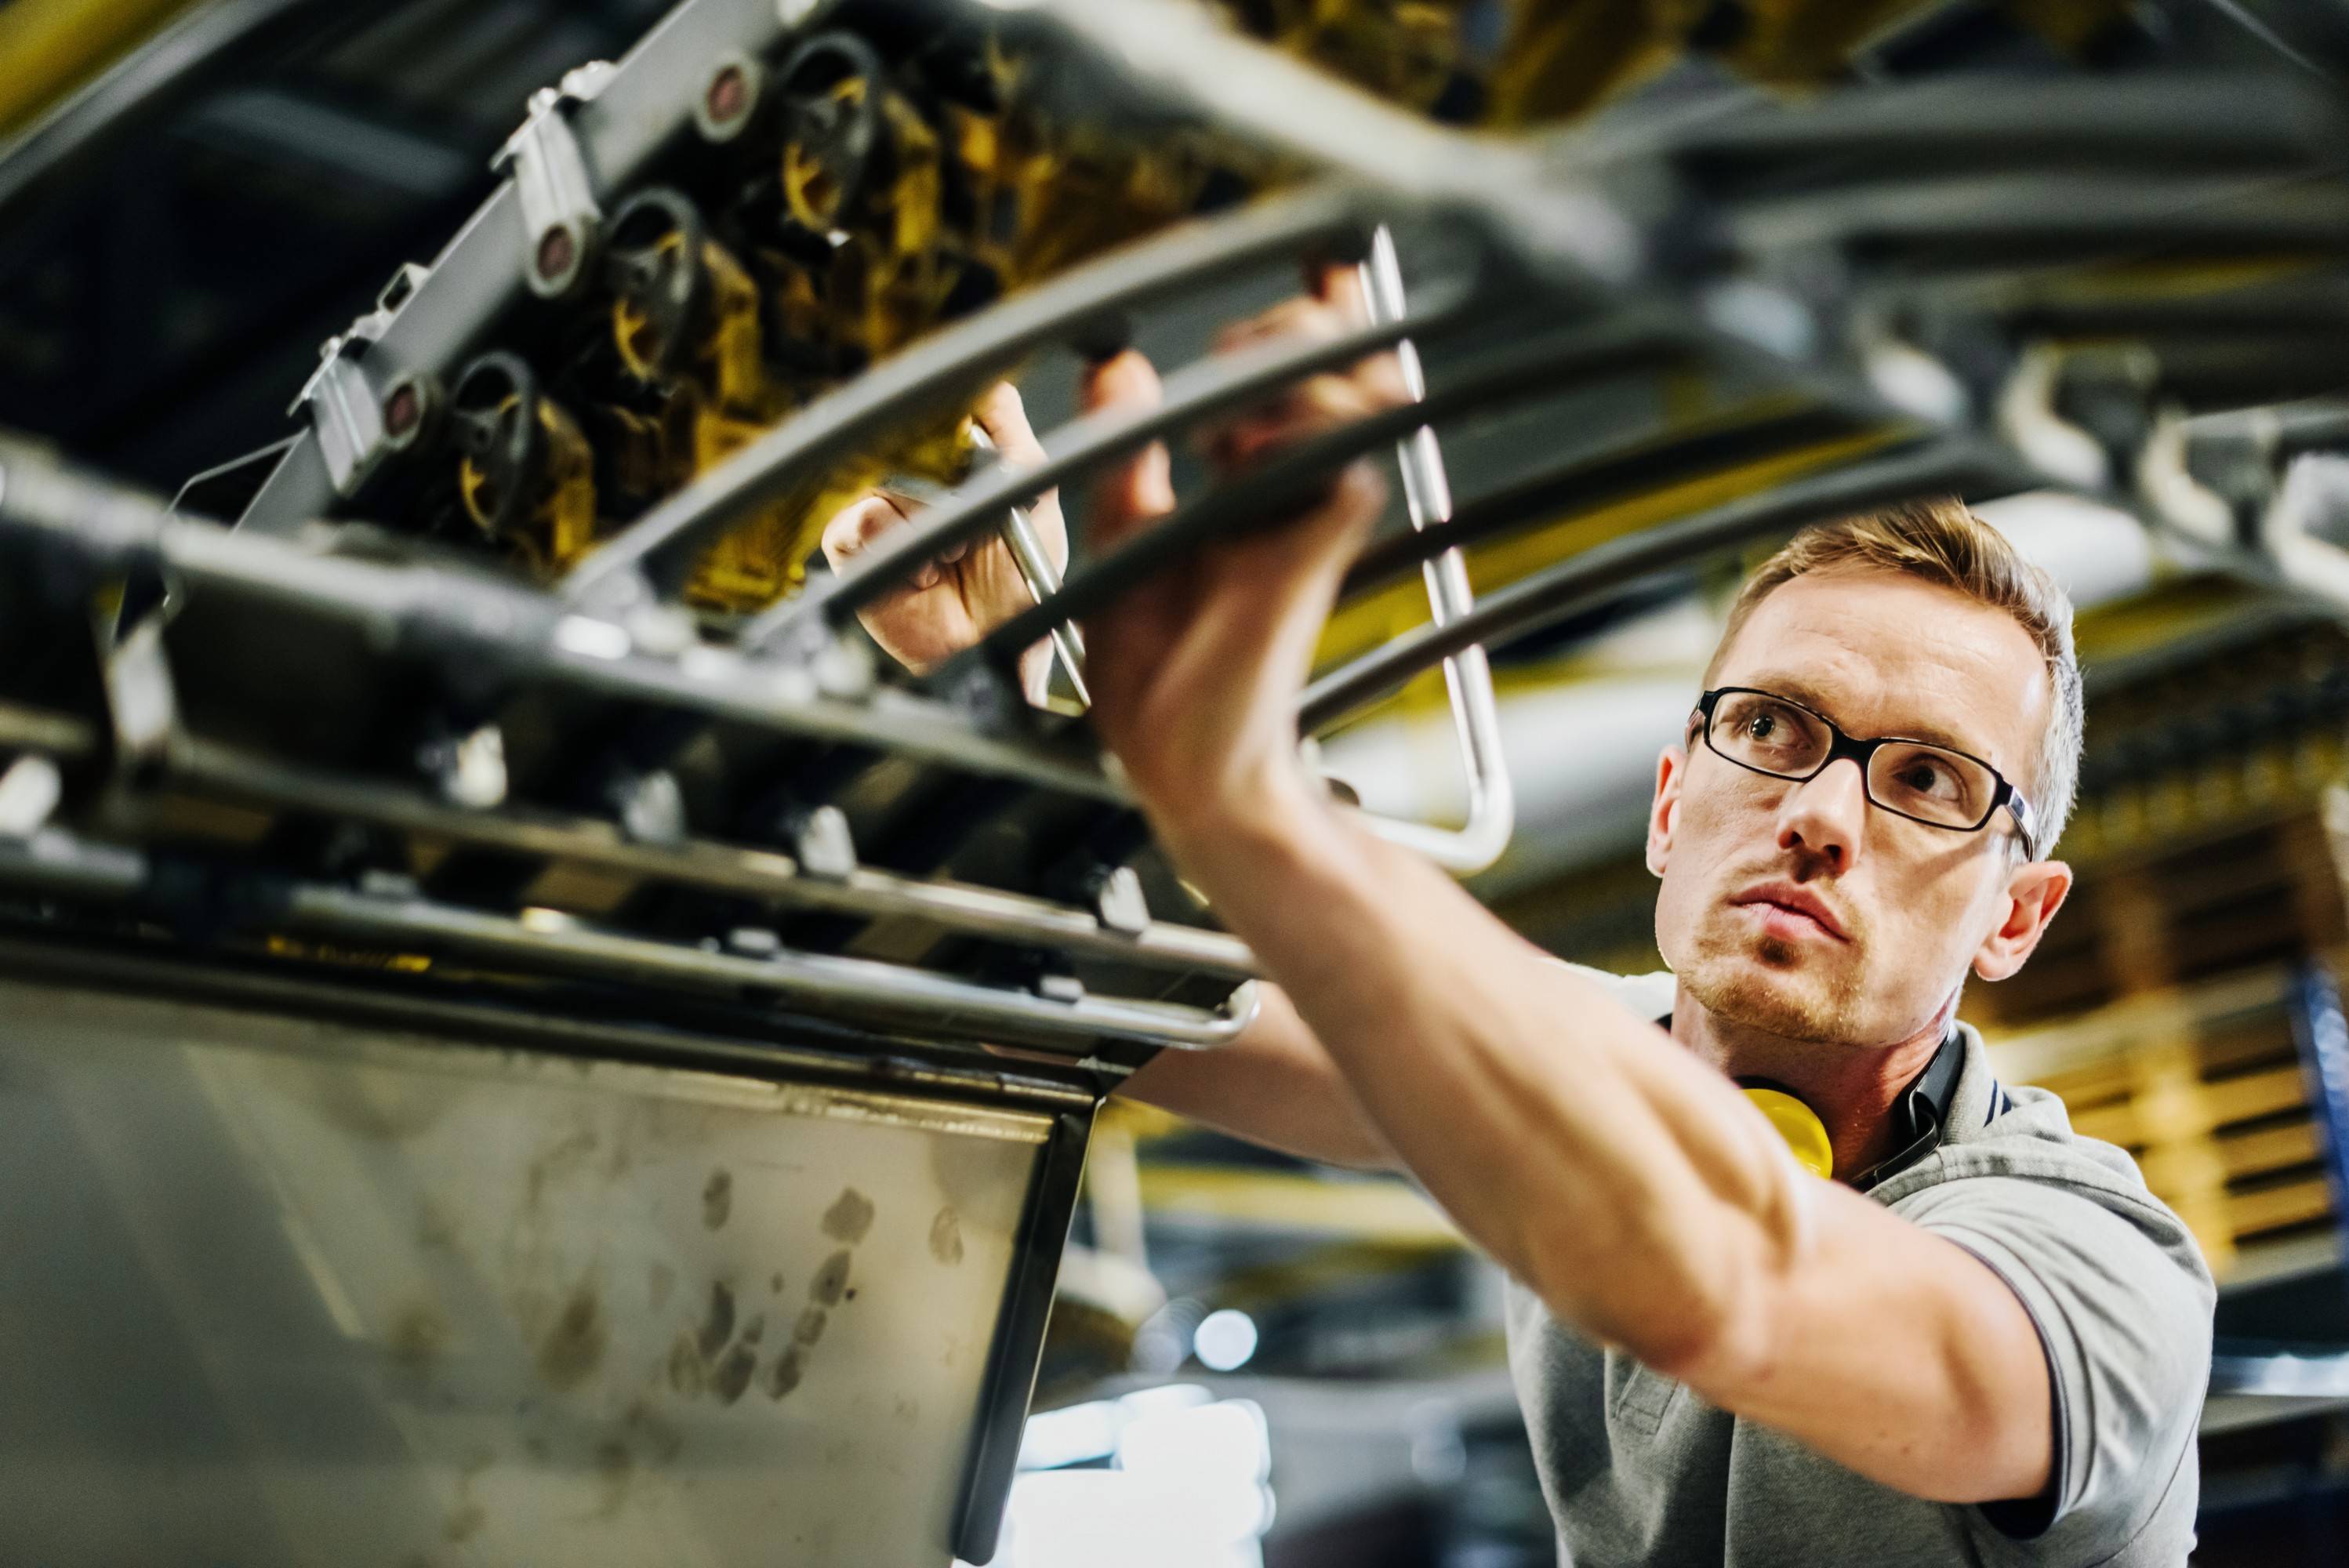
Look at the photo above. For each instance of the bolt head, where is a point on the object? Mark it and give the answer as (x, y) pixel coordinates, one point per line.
(557, 250)
(728, 94)
(403, 410)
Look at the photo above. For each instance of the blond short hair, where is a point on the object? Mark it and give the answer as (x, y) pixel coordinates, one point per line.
(1943, 544)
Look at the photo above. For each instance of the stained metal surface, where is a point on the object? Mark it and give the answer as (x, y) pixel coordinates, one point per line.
(308, 1292)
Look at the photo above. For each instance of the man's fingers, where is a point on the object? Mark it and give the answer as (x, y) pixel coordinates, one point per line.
(1004, 417)
(1301, 317)
(857, 525)
(1140, 491)
(1339, 287)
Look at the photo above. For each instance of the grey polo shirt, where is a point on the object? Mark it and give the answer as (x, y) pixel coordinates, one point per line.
(1637, 1469)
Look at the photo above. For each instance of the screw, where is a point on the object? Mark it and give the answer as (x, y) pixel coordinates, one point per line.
(402, 411)
(728, 94)
(557, 252)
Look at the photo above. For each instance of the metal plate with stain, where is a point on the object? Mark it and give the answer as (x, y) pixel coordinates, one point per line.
(281, 1291)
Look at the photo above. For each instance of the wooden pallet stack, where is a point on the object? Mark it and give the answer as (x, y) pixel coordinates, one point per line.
(2160, 1007)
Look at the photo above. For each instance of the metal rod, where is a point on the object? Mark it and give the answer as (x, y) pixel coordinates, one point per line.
(1517, 369)
(941, 1003)
(59, 863)
(1605, 570)
(1044, 580)
(217, 770)
(1467, 676)
(1194, 393)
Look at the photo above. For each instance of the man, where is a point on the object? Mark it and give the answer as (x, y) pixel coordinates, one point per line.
(1983, 1340)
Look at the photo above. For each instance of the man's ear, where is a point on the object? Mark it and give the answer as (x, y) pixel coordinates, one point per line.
(2035, 892)
(1664, 810)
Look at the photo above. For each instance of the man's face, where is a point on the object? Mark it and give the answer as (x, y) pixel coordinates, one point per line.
(1899, 909)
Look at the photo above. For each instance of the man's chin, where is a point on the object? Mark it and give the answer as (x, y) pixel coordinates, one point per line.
(1774, 987)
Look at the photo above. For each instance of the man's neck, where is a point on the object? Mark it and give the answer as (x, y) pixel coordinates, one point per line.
(1852, 1088)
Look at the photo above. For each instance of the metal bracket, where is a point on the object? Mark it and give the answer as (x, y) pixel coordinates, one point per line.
(343, 404)
(559, 214)
(1467, 676)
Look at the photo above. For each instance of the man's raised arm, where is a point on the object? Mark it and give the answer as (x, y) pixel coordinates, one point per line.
(1628, 1184)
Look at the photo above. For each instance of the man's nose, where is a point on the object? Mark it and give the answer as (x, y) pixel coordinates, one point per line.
(1827, 815)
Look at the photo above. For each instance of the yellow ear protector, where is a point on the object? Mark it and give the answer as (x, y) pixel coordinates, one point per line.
(1798, 1123)
(1921, 1115)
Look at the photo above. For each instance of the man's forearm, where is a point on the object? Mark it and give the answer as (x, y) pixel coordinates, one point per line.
(1275, 1085)
(1620, 1178)
(1626, 1182)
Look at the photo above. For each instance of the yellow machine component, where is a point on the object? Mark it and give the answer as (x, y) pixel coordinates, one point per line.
(1563, 58)
(727, 358)
(534, 493)
(53, 47)
(903, 198)
(1404, 50)
(869, 175)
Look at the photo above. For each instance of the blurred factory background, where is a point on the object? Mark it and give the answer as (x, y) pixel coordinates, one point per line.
(1251, 1360)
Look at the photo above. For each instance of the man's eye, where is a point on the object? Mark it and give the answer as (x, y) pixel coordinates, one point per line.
(1925, 777)
(1760, 726)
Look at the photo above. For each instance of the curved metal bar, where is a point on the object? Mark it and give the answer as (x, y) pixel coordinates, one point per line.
(2080, 217)
(1624, 342)
(1492, 812)
(153, 79)
(957, 359)
(1605, 570)
(1607, 473)
(866, 892)
(59, 863)
(2168, 118)
(863, 986)
(1197, 391)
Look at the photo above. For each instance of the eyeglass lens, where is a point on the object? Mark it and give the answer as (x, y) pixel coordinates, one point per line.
(1772, 735)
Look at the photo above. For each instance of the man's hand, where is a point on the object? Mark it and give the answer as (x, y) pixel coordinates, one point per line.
(1196, 675)
(953, 602)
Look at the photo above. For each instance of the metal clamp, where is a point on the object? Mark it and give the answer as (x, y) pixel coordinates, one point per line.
(342, 401)
(1467, 676)
(559, 214)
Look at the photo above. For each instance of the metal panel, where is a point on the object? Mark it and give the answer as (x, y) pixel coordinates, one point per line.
(292, 1291)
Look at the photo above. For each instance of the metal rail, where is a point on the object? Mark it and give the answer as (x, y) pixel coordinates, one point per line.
(1491, 816)
(57, 862)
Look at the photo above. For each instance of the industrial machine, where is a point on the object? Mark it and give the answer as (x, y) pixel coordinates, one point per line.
(547, 1048)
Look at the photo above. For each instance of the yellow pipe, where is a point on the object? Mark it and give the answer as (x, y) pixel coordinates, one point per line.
(50, 47)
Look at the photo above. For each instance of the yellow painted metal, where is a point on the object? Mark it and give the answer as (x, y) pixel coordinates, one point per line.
(1383, 1210)
(50, 47)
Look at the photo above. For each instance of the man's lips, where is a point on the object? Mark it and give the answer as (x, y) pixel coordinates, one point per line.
(1794, 911)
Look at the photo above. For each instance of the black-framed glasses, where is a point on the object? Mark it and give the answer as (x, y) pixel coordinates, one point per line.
(1765, 733)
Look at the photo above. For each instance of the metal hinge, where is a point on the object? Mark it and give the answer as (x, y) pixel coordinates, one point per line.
(343, 404)
(559, 214)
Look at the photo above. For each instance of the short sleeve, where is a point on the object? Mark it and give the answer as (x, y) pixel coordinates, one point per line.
(2122, 1301)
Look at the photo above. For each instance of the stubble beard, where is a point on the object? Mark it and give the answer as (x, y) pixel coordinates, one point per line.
(1771, 985)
